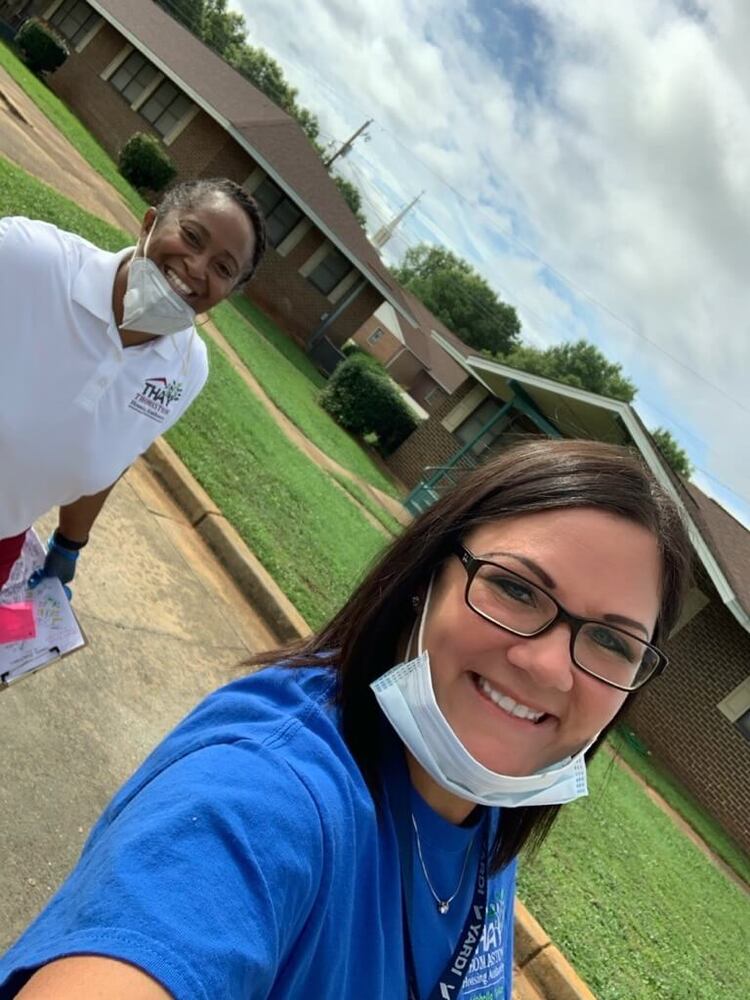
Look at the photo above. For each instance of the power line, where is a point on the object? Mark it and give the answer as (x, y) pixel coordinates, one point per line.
(512, 238)
(176, 6)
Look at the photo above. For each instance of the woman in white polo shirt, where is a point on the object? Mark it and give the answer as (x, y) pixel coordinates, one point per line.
(100, 354)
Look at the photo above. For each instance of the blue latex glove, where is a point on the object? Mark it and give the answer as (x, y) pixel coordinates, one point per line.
(60, 562)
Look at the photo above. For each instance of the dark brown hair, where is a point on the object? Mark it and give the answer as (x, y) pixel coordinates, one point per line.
(188, 194)
(540, 475)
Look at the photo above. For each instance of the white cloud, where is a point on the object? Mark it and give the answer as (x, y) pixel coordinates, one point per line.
(614, 143)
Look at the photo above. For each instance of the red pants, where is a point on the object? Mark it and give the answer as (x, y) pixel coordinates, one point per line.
(10, 550)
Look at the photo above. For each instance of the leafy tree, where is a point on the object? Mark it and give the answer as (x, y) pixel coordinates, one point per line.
(308, 122)
(579, 364)
(262, 70)
(222, 29)
(352, 196)
(187, 12)
(459, 296)
(670, 450)
(225, 31)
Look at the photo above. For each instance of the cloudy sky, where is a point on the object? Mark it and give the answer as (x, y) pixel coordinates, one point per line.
(592, 159)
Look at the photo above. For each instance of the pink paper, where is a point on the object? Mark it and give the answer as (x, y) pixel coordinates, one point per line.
(17, 622)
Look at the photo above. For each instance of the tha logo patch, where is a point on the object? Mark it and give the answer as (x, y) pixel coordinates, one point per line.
(155, 398)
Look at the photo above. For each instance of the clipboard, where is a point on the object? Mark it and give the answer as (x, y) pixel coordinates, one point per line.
(57, 632)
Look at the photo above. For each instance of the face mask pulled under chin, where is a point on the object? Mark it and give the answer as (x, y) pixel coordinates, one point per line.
(407, 698)
(150, 304)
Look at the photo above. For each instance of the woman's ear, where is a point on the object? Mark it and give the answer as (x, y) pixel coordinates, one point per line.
(148, 221)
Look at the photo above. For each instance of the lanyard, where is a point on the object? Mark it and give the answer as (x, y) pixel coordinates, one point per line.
(451, 979)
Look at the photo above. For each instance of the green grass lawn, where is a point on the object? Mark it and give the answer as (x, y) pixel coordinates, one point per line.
(637, 909)
(67, 123)
(391, 525)
(683, 803)
(22, 194)
(292, 382)
(307, 534)
(640, 912)
(265, 326)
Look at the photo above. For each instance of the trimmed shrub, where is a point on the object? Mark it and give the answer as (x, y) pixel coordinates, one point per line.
(353, 350)
(144, 162)
(364, 400)
(42, 48)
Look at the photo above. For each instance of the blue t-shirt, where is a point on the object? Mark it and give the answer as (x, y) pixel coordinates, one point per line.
(246, 859)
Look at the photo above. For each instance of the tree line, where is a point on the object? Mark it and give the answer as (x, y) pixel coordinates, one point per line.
(448, 285)
(226, 32)
(466, 303)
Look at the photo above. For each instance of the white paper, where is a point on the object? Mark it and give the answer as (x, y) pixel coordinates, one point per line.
(57, 631)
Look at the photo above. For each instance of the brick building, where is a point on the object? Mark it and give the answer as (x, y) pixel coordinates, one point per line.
(133, 68)
(695, 718)
(411, 354)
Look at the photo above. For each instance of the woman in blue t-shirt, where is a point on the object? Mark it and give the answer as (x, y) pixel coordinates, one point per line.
(346, 824)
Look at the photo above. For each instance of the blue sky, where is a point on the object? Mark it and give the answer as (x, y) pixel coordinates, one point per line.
(591, 160)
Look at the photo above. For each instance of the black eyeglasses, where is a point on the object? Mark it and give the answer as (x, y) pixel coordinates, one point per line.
(510, 601)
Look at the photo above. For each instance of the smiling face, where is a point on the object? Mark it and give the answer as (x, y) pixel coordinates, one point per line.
(202, 249)
(597, 565)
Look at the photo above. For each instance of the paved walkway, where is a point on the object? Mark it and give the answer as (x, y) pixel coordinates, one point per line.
(165, 625)
(394, 507)
(29, 139)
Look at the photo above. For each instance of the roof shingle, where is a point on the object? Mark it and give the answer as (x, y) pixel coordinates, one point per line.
(268, 130)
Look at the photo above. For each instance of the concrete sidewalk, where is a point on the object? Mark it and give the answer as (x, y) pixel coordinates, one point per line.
(166, 625)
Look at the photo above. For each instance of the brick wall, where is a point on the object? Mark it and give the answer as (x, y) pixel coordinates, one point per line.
(93, 100)
(204, 149)
(384, 349)
(405, 368)
(677, 717)
(423, 384)
(430, 444)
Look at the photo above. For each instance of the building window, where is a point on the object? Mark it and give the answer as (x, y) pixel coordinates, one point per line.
(375, 336)
(743, 724)
(133, 76)
(280, 212)
(166, 107)
(74, 19)
(467, 431)
(330, 271)
(432, 396)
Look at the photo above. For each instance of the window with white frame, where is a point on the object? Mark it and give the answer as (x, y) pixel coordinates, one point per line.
(280, 212)
(736, 707)
(743, 724)
(467, 431)
(375, 336)
(330, 272)
(74, 19)
(165, 108)
(133, 76)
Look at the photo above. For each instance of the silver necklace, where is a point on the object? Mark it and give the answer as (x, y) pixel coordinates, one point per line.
(443, 905)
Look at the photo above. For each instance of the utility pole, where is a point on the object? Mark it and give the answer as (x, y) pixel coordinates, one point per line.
(385, 232)
(344, 150)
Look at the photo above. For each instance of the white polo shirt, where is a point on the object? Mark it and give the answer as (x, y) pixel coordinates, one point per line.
(76, 408)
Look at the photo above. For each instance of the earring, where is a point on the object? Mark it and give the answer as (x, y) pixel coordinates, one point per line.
(416, 603)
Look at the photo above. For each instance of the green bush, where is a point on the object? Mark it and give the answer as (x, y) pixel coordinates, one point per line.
(145, 164)
(42, 48)
(353, 350)
(365, 401)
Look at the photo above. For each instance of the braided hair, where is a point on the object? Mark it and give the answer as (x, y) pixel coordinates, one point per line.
(188, 194)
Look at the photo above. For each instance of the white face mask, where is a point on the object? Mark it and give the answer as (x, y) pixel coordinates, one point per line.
(150, 304)
(406, 696)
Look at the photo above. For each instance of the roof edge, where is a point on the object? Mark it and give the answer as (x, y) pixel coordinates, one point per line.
(249, 148)
(646, 448)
